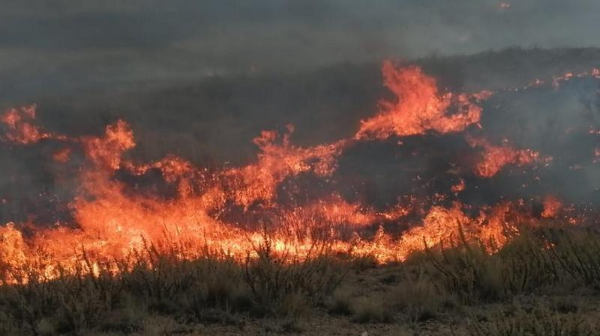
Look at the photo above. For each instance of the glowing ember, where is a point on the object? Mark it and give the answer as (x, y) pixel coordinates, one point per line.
(552, 207)
(62, 155)
(460, 186)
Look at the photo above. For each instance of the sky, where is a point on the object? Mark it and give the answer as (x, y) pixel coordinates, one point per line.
(74, 43)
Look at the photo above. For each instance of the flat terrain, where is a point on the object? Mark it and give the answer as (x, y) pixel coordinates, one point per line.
(542, 282)
(370, 292)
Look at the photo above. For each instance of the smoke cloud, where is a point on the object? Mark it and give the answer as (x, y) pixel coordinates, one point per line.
(201, 79)
(49, 46)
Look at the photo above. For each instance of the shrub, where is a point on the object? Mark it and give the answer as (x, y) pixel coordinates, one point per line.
(468, 271)
(526, 264)
(543, 324)
(417, 298)
(283, 285)
(341, 302)
(371, 310)
(577, 253)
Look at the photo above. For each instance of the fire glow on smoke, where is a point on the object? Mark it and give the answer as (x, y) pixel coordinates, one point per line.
(228, 209)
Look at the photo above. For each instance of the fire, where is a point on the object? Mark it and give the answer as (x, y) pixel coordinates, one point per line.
(557, 81)
(275, 163)
(20, 129)
(13, 247)
(494, 158)
(62, 155)
(439, 225)
(107, 151)
(492, 228)
(460, 186)
(552, 207)
(420, 107)
(233, 209)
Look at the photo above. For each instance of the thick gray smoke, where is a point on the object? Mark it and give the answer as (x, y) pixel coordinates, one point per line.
(49, 46)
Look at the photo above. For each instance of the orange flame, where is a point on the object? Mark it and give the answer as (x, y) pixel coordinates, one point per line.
(222, 209)
(552, 207)
(494, 158)
(420, 107)
(20, 129)
(107, 151)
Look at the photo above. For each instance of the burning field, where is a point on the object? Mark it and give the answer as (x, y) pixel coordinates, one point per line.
(299, 167)
(474, 196)
(454, 171)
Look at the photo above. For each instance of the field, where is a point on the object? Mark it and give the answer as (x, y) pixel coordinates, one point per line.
(447, 196)
(305, 167)
(543, 282)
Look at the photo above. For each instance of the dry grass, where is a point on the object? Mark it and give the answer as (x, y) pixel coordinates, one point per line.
(284, 285)
(536, 324)
(210, 289)
(439, 286)
(535, 262)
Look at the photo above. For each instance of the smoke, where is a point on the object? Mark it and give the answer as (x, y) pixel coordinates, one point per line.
(557, 119)
(70, 44)
(201, 79)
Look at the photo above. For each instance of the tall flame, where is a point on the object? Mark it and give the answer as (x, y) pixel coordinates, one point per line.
(419, 107)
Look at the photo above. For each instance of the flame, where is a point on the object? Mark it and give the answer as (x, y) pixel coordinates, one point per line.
(233, 209)
(62, 155)
(552, 207)
(13, 249)
(492, 228)
(275, 163)
(460, 186)
(20, 129)
(420, 107)
(107, 151)
(494, 158)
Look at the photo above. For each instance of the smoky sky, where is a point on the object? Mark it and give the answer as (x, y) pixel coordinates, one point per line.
(201, 79)
(70, 44)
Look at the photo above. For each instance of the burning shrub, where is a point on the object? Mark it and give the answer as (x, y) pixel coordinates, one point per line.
(524, 265)
(534, 262)
(468, 271)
